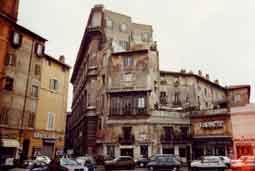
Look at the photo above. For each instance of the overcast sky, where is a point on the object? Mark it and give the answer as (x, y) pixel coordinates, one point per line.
(216, 36)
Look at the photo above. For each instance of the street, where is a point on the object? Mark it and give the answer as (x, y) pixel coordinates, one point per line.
(138, 169)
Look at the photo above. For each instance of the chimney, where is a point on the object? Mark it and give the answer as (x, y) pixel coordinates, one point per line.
(183, 71)
(200, 73)
(99, 6)
(62, 58)
(207, 76)
(216, 81)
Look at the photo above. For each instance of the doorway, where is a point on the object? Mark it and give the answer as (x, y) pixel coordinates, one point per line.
(24, 155)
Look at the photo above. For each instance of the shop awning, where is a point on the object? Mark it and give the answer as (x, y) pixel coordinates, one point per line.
(212, 139)
(9, 143)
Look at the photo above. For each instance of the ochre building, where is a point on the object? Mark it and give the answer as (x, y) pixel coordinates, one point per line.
(33, 92)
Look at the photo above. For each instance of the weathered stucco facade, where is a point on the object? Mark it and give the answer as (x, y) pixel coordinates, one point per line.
(124, 105)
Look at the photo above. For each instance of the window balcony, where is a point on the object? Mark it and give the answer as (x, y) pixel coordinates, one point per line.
(175, 139)
(128, 140)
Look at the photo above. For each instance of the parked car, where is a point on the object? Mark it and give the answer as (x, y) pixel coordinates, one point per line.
(164, 162)
(87, 161)
(244, 163)
(208, 163)
(6, 163)
(142, 162)
(45, 159)
(32, 166)
(67, 164)
(121, 162)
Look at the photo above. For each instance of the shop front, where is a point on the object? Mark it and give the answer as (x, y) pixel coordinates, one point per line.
(46, 143)
(244, 147)
(9, 144)
(212, 145)
(212, 135)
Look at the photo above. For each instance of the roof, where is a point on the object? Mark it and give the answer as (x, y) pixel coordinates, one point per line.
(57, 61)
(193, 75)
(23, 29)
(238, 86)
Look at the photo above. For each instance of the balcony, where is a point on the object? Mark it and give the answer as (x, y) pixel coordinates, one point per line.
(128, 140)
(175, 139)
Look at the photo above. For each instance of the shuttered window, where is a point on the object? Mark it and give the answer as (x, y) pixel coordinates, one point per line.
(54, 84)
(50, 124)
(10, 59)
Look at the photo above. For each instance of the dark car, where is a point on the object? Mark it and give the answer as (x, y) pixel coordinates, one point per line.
(122, 162)
(163, 162)
(87, 161)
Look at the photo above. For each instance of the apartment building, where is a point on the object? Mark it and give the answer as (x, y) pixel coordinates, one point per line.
(123, 104)
(25, 81)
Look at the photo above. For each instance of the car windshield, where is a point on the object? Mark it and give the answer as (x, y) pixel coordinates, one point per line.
(210, 159)
(165, 159)
(68, 162)
(85, 160)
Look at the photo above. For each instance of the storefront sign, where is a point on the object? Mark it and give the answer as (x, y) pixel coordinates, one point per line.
(49, 140)
(212, 124)
(46, 136)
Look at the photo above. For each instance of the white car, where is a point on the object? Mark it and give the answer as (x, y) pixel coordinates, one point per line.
(208, 162)
(44, 159)
(71, 165)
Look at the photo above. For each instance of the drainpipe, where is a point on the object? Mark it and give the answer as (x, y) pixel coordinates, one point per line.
(26, 95)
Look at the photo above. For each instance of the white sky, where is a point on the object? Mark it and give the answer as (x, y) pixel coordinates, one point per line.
(216, 36)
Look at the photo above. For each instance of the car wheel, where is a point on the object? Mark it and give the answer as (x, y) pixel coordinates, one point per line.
(151, 168)
(194, 169)
(141, 164)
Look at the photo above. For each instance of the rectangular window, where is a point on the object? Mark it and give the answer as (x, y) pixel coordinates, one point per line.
(169, 133)
(39, 50)
(182, 152)
(237, 98)
(184, 132)
(31, 120)
(205, 92)
(10, 59)
(8, 83)
(144, 151)
(123, 44)
(110, 150)
(37, 69)
(177, 100)
(3, 116)
(34, 91)
(128, 104)
(16, 39)
(141, 102)
(128, 60)
(50, 120)
(54, 84)
(163, 97)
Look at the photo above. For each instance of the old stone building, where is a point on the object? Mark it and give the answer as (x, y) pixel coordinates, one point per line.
(27, 91)
(242, 117)
(124, 105)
